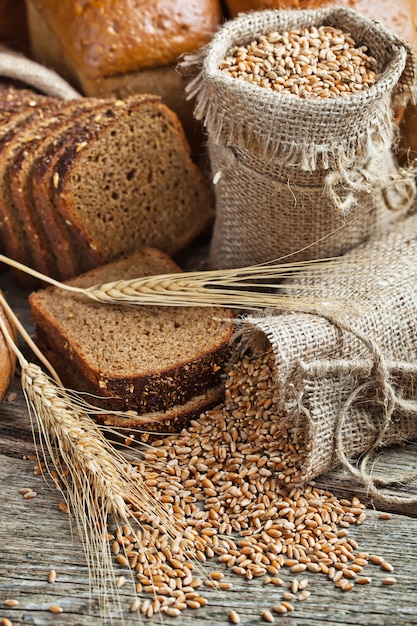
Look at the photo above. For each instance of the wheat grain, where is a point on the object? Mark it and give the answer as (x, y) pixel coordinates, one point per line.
(321, 62)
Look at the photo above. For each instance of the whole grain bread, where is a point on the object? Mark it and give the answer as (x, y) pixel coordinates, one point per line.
(142, 187)
(144, 358)
(44, 238)
(72, 256)
(13, 230)
(173, 419)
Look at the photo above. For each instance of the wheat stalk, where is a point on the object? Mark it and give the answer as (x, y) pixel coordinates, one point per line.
(95, 479)
(252, 287)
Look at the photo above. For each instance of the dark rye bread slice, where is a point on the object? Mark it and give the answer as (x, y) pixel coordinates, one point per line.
(20, 172)
(173, 419)
(13, 230)
(23, 235)
(15, 104)
(142, 187)
(72, 256)
(146, 358)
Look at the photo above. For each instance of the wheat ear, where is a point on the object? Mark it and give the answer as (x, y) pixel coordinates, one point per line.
(253, 287)
(95, 479)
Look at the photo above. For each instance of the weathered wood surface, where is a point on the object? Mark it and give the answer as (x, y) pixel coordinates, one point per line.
(36, 537)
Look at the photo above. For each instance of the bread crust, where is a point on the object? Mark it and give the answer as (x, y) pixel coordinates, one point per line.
(7, 358)
(20, 173)
(71, 256)
(172, 419)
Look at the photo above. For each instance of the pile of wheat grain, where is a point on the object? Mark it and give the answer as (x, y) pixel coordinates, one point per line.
(223, 481)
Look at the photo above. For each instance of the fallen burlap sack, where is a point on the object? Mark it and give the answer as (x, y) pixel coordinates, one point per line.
(288, 170)
(347, 380)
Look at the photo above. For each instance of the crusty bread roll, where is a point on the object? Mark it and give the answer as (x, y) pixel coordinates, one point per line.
(7, 359)
(119, 48)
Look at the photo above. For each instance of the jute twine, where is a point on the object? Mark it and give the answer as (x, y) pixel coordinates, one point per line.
(16, 66)
(289, 171)
(348, 381)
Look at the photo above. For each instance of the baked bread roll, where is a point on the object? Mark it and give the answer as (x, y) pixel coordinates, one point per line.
(119, 48)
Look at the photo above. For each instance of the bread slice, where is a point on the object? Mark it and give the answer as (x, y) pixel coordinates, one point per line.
(142, 188)
(73, 255)
(39, 240)
(172, 419)
(24, 239)
(145, 358)
(17, 104)
(13, 230)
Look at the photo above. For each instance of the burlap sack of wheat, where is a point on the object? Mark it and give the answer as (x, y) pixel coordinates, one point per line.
(347, 380)
(288, 170)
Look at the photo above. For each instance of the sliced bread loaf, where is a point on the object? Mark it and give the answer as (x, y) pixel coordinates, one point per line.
(146, 358)
(73, 254)
(173, 419)
(141, 188)
(45, 254)
(13, 230)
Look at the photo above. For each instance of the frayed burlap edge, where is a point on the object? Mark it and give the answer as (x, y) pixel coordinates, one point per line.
(375, 374)
(395, 88)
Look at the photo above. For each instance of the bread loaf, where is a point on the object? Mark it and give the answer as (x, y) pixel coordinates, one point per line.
(144, 358)
(122, 47)
(88, 180)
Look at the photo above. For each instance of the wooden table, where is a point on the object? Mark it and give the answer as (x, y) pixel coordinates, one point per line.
(36, 538)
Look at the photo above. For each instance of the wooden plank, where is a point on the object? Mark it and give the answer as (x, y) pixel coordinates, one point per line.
(37, 538)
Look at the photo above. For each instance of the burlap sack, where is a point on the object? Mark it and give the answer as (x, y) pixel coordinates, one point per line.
(289, 171)
(16, 66)
(348, 379)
